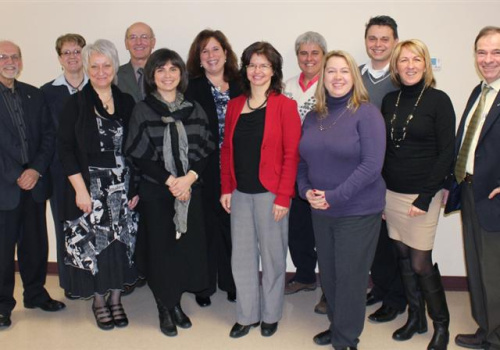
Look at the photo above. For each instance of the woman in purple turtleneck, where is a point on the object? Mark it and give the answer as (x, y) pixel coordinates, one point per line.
(342, 152)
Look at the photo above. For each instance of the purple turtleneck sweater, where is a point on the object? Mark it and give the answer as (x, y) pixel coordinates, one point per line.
(345, 160)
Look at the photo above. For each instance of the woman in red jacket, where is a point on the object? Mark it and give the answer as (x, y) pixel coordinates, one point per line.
(259, 160)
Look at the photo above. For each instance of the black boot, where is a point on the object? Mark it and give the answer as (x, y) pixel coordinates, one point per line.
(416, 323)
(437, 307)
(167, 323)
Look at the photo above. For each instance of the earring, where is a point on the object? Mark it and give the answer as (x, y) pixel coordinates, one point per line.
(201, 66)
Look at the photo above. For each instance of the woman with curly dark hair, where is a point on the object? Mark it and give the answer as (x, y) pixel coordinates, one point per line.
(214, 80)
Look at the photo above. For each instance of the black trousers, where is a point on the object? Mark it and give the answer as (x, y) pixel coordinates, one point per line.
(385, 274)
(59, 183)
(24, 227)
(218, 231)
(482, 259)
(301, 241)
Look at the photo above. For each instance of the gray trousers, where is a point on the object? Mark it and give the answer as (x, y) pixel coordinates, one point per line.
(346, 247)
(255, 234)
(482, 258)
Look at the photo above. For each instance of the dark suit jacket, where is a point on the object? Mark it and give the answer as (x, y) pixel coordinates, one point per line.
(486, 163)
(127, 81)
(41, 136)
(199, 90)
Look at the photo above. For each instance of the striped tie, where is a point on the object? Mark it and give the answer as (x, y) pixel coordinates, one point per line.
(469, 136)
(140, 82)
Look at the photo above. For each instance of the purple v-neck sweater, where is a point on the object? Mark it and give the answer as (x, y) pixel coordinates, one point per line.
(345, 160)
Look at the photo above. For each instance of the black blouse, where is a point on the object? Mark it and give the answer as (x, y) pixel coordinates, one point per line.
(247, 142)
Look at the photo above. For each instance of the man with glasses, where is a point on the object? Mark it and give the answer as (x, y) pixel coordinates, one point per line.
(140, 42)
(26, 150)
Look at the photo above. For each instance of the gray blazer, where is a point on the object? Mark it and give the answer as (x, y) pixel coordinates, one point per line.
(127, 81)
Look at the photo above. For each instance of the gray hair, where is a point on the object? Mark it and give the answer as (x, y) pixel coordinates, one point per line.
(311, 38)
(102, 47)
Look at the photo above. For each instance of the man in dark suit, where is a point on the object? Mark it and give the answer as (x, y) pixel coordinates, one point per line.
(139, 41)
(26, 149)
(477, 173)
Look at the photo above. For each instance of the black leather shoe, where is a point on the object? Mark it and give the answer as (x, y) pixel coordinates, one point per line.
(371, 299)
(69, 296)
(141, 282)
(180, 317)
(471, 341)
(49, 305)
(167, 324)
(5, 321)
(268, 329)
(386, 313)
(103, 317)
(239, 330)
(323, 338)
(231, 296)
(346, 348)
(203, 302)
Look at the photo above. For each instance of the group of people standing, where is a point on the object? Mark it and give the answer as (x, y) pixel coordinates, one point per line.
(190, 176)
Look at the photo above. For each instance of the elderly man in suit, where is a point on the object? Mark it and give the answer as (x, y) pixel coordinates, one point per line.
(139, 41)
(26, 149)
(477, 173)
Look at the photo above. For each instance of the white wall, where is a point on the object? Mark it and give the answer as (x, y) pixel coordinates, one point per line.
(447, 27)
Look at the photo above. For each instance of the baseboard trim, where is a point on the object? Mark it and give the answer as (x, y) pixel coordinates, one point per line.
(451, 283)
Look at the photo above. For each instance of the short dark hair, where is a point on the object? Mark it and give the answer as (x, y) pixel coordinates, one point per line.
(194, 64)
(158, 59)
(273, 56)
(69, 38)
(488, 30)
(383, 21)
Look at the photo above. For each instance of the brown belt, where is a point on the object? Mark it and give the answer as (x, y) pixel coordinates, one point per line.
(468, 178)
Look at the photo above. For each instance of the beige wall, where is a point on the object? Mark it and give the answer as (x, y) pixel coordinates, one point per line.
(448, 28)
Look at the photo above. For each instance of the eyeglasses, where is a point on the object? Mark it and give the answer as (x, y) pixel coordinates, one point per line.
(263, 67)
(5, 58)
(68, 53)
(133, 37)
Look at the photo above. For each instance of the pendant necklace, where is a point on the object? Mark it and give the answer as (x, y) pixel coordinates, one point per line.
(254, 109)
(75, 88)
(397, 140)
(320, 120)
(105, 104)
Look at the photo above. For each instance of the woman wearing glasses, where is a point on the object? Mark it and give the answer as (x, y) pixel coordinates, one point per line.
(259, 158)
(73, 79)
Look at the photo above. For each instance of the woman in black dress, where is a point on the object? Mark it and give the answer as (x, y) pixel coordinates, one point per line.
(100, 227)
(214, 80)
(169, 141)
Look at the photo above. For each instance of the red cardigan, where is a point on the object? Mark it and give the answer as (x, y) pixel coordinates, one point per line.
(279, 150)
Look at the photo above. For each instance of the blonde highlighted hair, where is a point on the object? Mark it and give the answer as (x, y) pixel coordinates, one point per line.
(359, 94)
(418, 48)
